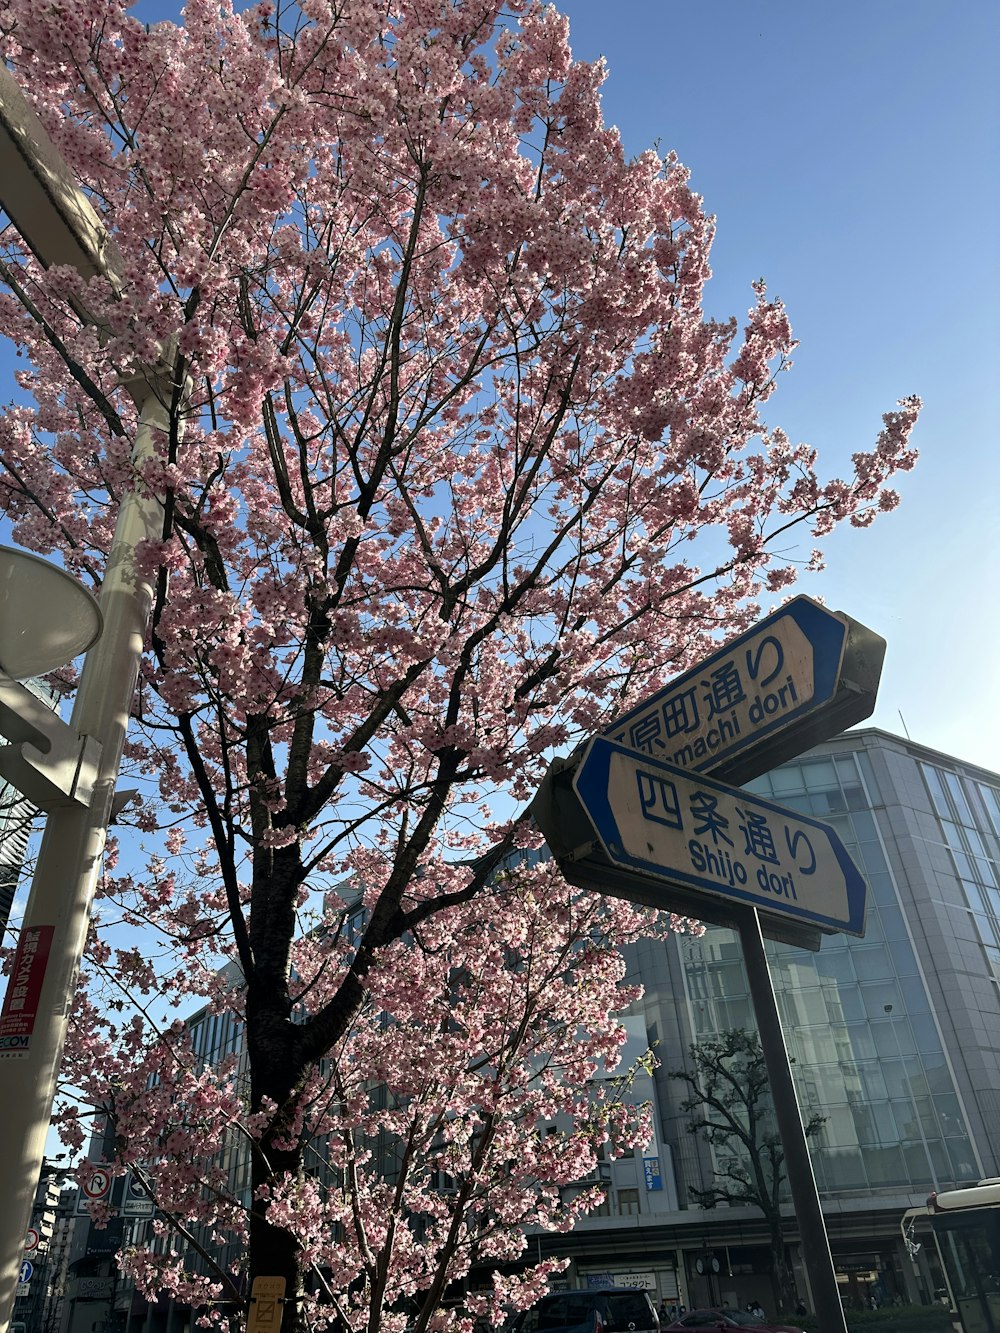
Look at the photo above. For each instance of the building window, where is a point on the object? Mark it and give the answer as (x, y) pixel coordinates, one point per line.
(991, 800)
(974, 869)
(628, 1203)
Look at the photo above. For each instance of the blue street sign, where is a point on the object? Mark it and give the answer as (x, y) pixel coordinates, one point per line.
(769, 681)
(693, 832)
(135, 1199)
(25, 1271)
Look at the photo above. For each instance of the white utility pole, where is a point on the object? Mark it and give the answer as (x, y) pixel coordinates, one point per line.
(56, 220)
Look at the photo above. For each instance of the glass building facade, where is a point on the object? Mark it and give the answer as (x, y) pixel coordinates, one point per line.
(857, 1017)
(894, 1037)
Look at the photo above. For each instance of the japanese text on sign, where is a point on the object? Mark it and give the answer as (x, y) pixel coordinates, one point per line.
(20, 1006)
(765, 678)
(725, 848)
(696, 831)
(651, 1172)
(266, 1299)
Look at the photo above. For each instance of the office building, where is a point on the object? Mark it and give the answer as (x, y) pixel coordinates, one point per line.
(38, 1306)
(894, 1038)
(16, 819)
(15, 824)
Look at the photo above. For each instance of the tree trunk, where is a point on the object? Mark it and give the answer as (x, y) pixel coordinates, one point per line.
(273, 1251)
(783, 1288)
(276, 1069)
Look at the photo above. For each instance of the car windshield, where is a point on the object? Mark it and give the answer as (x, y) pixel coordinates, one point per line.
(628, 1309)
(564, 1311)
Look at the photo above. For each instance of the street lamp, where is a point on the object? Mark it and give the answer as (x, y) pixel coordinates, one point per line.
(46, 617)
(69, 771)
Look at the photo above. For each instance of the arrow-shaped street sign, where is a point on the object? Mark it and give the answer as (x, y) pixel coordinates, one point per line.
(694, 832)
(626, 824)
(639, 817)
(797, 678)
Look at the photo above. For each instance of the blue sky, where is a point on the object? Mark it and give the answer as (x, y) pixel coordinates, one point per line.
(850, 152)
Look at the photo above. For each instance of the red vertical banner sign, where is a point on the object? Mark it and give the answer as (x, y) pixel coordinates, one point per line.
(24, 989)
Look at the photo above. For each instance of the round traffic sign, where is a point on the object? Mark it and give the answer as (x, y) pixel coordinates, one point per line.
(25, 1271)
(98, 1185)
(32, 1241)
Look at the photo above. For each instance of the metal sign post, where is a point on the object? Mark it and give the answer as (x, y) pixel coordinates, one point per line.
(815, 1244)
(640, 813)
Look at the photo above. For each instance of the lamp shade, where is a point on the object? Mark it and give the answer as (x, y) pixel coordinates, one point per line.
(46, 617)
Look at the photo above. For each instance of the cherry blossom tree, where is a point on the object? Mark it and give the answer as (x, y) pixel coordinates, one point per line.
(447, 416)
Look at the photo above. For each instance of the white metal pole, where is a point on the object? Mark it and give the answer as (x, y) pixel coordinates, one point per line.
(70, 856)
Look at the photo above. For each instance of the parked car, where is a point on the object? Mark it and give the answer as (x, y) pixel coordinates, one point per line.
(601, 1310)
(720, 1321)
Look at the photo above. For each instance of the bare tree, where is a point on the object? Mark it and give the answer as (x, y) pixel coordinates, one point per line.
(730, 1106)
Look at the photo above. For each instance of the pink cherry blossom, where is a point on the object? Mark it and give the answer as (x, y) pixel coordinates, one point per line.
(462, 472)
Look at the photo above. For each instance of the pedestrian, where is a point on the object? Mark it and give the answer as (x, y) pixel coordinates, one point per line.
(758, 1310)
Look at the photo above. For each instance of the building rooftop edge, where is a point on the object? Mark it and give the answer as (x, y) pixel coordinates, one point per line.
(904, 743)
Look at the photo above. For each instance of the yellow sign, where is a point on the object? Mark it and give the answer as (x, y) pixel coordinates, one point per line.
(266, 1299)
